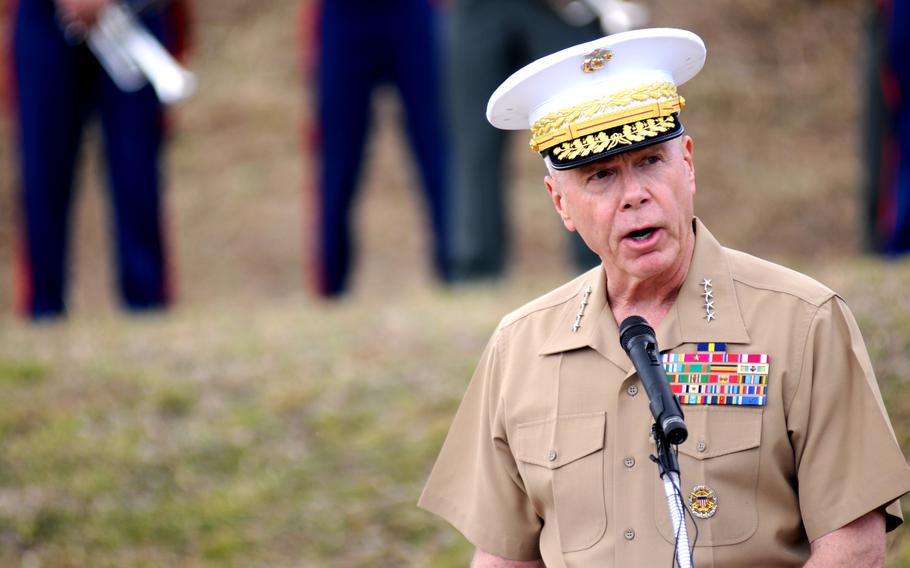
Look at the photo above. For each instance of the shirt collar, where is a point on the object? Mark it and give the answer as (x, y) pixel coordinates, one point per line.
(564, 337)
(686, 322)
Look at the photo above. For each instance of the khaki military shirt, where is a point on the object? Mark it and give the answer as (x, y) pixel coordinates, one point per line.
(548, 454)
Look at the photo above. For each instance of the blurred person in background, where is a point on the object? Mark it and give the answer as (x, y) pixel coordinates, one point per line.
(886, 196)
(59, 86)
(487, 42)
(360, 45)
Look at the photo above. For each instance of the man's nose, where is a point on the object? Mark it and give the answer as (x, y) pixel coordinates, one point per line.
(634, 193)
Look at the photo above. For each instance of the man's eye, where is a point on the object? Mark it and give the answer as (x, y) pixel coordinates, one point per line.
(600, 174)
(653, 159)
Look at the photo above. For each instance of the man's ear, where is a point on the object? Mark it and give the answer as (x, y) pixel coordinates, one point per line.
(688, 146)
(559, 203)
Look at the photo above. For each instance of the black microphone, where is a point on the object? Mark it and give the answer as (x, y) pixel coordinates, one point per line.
(640, 344)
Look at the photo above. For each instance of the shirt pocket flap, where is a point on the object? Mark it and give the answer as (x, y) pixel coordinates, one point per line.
(556, 442)
(719, 431)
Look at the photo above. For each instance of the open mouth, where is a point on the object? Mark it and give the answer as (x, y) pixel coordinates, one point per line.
(641, 234)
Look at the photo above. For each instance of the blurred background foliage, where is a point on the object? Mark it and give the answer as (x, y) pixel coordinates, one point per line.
(253, 426)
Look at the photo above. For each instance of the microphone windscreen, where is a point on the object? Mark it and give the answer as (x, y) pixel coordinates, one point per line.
(634, 326)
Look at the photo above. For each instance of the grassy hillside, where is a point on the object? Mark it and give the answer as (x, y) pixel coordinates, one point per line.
(255, 426)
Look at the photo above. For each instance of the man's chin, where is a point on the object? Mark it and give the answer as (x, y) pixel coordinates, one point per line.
(651, 265)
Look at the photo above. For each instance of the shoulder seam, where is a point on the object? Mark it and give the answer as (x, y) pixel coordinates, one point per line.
(817, 303)
(512, 319)
(802, 356)
(825, 292)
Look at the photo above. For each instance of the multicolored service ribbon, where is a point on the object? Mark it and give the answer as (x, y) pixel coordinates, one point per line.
(714, 376)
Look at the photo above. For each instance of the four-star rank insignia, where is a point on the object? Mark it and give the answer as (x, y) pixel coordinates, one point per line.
(714, 376)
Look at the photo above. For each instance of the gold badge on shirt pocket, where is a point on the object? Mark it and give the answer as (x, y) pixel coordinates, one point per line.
(713, 376)
(703, 502)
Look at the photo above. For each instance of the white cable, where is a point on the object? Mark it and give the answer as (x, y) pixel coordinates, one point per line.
(677, 517)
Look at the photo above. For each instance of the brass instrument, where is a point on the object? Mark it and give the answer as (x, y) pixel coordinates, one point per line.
(614, 15)
(132, 56)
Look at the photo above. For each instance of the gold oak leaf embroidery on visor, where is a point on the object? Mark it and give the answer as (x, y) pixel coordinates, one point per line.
(626, 98)
(600, 142)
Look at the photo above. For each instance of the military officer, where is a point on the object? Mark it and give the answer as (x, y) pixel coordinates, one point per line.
(59, 87)
(361, 45)
(487, 41)
(790, 459)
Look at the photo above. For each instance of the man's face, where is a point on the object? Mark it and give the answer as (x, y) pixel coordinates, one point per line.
(633, 209)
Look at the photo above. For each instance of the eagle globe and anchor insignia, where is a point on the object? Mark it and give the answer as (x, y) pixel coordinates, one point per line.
(596, 60)
(703, 502)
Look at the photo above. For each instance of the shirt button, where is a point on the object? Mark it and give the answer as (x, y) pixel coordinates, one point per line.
(629, 461)
(629, 534)
(632, 390)
(551, 455)
(701, 446)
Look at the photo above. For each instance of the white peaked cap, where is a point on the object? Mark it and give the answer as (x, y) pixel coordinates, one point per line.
(602, 97)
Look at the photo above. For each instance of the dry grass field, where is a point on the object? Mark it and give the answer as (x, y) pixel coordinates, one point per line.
(255, 426)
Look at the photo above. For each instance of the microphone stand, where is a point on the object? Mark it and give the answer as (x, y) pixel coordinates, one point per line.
(668, 467)
(638, 340)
